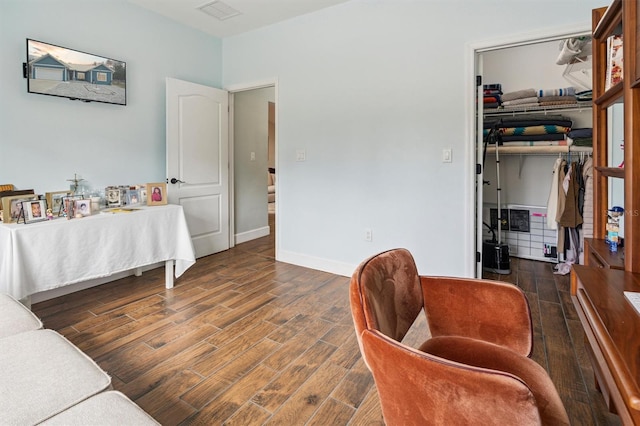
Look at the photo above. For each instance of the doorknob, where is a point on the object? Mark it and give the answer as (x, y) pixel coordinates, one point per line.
(174, 181)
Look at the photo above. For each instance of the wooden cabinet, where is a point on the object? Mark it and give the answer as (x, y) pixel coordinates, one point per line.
(612, 330)
(620, 18)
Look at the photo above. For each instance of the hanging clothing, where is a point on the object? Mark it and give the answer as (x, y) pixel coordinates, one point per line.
(571, 216)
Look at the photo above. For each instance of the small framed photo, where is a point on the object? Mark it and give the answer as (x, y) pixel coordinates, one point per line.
(12, 205)
(133, 197)
(156, 194)
(113, 196)
(69, 204)
(34, 211)
(82, 208)
(143, 194)
(54, 200)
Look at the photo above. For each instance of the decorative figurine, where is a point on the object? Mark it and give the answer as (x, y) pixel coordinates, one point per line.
(49, 214)
(76, 181)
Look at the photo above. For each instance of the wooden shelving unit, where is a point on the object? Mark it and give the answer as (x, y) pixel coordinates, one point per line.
(610, 323)
(620, 18)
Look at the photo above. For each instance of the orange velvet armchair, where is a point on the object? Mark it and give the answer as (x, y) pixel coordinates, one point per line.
(473, 370)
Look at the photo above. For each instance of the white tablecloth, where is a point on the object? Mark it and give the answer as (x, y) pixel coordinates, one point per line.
(45, 255)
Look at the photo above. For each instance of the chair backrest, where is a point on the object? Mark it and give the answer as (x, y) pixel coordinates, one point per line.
(414, 387)
(386, 293)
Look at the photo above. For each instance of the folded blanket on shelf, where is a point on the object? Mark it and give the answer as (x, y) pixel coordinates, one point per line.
(519, 94)
(524, 120)
(491, 104)
(586, 95)
(552, 103)
(538, 143)
(492, 86)
(490, 99)
(528, 138)
(566, 91)
(581, 141)
(547, 129)
(491, 92)
(557, 98)
(585, 132)
(520, 101)
(522, 106)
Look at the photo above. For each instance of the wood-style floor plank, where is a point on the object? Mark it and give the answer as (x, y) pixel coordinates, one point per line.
(244, 340)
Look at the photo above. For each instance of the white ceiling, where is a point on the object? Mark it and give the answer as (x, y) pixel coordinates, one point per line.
(253, 13)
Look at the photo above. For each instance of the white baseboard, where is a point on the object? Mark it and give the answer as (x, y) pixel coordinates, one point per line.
(320, 264)
(243, 237)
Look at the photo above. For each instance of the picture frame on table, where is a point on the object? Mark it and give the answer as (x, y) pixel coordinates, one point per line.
(11, 206)
(113, 195)
(34, 211)
(143, 194)
(82, 208)
(54, 200)
(68, 205)
(156, 194)
(133, 197)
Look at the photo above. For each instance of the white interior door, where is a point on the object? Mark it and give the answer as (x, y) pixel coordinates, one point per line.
(198, 161)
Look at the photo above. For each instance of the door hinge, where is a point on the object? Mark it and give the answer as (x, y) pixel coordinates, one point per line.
(478, 80)
(478, 257)
(478, 169)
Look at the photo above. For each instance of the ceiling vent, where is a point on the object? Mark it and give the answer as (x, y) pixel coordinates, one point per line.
(219, 10)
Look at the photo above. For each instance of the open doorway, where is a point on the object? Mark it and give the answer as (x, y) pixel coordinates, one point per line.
(254, 164)
(525, 175)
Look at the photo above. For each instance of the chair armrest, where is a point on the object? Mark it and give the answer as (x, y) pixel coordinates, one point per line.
(491, 311)
(416, 388)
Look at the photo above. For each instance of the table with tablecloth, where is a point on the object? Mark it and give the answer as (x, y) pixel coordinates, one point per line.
(41, 256)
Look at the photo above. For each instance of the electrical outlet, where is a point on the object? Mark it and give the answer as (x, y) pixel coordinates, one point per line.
(253, 156)
(368, 234)
(301, 155)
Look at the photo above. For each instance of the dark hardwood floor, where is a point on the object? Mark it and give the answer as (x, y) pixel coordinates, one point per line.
(245, 340)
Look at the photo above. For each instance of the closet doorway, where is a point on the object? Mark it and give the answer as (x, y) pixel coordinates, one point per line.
(525, 180)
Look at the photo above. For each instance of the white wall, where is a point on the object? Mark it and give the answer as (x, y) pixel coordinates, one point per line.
(45, 140)
(373, 91)
(251, 125)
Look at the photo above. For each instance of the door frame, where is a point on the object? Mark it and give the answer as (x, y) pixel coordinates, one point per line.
(474, 147)
(233, 89)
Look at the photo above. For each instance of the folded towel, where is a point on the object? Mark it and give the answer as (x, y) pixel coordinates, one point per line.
(529, 100)
(557, 98)
(566, 91)
(526, 93)
(585, 132)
